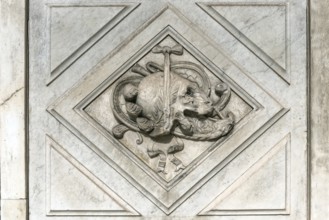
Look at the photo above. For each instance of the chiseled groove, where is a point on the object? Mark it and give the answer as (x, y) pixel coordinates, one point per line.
(153, 199)
(95, 93)
(272, 64)
(128, 210)
(264, 212)
(108, 160)
(168, 31)
(71, 59)
(79, 135)
(123, 150)
(229, 158)
(208, 211)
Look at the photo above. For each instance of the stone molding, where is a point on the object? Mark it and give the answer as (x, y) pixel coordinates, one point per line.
(14, 99)
(319, 102)
(13, 120)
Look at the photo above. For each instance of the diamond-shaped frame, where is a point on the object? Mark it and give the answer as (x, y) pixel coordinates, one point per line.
(168, 31)
(66, 110)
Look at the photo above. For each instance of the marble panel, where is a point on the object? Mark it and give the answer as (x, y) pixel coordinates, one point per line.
(168, 110)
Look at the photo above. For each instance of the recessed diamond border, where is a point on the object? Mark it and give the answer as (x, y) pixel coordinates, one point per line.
(168, 31)
(65, 110)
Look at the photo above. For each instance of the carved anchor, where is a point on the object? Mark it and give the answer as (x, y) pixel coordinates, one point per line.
(178, 50)
(154, 152)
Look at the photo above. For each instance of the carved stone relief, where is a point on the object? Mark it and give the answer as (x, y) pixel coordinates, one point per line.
(163, 110)
(167, 105)
(172, 103)
(169, 122)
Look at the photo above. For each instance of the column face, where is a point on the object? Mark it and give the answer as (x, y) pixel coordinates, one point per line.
(12, 109)
(319, 111)
(175, 109)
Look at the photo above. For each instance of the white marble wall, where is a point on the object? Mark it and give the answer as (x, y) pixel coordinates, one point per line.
(13, 118)
(12, 109)
(319, 114)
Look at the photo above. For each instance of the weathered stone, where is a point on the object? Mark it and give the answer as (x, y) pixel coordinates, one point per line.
(178, 119)
(12, 109)
(319, 110)
(13, 209)
(255, 57)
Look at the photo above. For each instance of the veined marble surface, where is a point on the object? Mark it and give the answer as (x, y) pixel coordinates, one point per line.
(77, 169)
(12, 110)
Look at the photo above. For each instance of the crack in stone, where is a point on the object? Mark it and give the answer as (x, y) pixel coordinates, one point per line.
(12, 95)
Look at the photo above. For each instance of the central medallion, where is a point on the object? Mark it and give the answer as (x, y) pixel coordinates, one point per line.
(170, 101)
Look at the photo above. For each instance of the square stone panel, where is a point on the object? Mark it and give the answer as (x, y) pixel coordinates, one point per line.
(86, 111)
